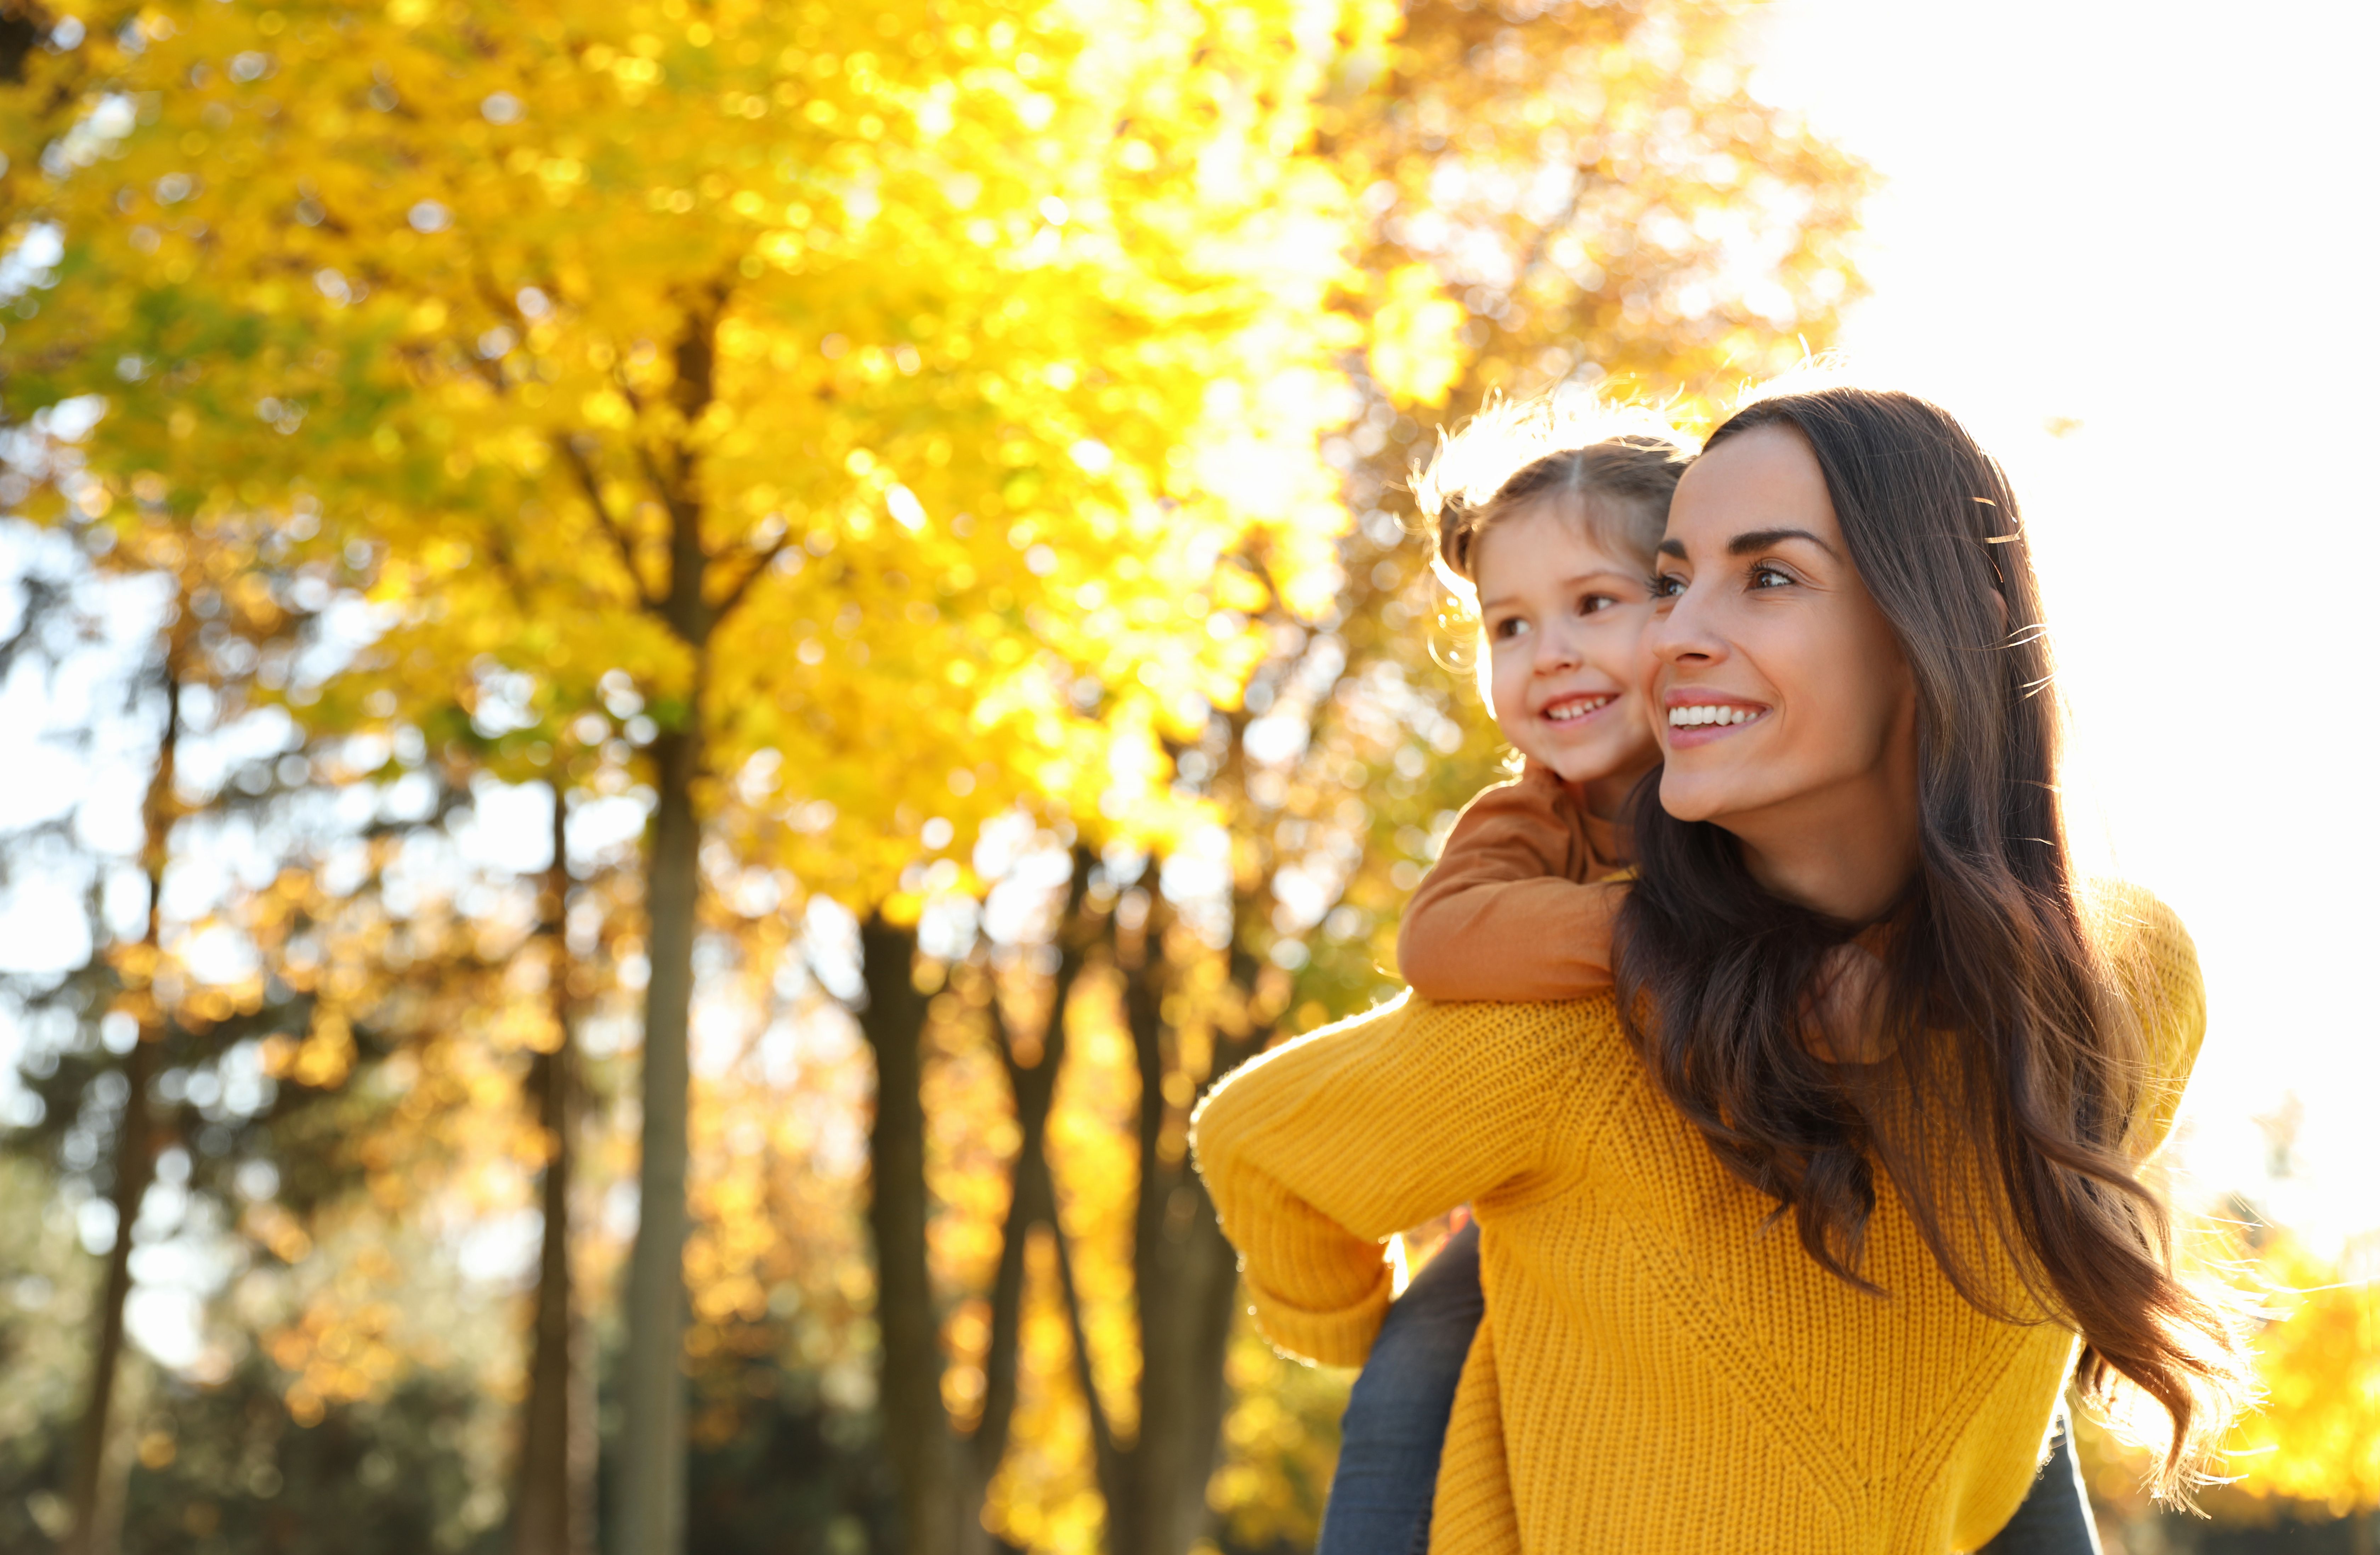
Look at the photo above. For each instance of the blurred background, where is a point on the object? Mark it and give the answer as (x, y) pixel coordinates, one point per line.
(672, 675)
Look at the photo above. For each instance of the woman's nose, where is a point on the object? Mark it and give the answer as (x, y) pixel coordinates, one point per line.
(1683, 632)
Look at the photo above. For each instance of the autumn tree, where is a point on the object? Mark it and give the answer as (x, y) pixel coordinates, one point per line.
(347, 1077)
(1600, 194)
(225, 617)
(96, 1110)
(682, 341)
(218, 1080)
(553, 1484)
(2317, 1436)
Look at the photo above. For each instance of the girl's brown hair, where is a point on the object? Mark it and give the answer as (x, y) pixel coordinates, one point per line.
(2013, 1074)
(1614, 467)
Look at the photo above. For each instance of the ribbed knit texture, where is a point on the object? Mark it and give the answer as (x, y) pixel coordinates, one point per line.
(1658, 1372)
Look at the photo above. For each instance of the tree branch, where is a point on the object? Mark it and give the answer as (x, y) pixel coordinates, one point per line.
(1263, 574)
(743, 584)
(990, 1442)
(592, 486)
(1032, 1193)
(1108, 1457)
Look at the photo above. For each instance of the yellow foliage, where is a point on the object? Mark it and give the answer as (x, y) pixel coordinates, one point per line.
(2317, 1438)
(1281, 1442)
(2313, 1446)
(867, 318)
(1416, 352)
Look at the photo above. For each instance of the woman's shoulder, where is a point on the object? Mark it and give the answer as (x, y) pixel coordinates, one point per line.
(2123, 916)
(2146, 948)
(1409, 1024)
(1422, 1048)
(1588, 1018)
(2153, 963)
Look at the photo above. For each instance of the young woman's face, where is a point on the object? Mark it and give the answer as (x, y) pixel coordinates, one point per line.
(1558, 617)
(1781, 695)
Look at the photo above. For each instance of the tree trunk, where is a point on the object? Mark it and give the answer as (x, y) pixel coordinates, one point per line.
(552, 1495)
(92, 1490)
(1185, 1281)
(1032, 1089)
(1031, 1202)
(917, 1433)
(652, 1441)
(90, 1493)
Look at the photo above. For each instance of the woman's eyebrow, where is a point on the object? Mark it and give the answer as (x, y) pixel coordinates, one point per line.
(1761, 540)
(1748, 541)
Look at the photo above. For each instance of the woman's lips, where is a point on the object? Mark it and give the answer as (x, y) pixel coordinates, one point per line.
(1695, 721)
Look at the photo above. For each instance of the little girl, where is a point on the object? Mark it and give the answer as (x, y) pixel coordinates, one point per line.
(1549, 518)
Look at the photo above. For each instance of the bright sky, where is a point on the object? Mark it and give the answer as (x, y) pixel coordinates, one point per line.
(2157, 221)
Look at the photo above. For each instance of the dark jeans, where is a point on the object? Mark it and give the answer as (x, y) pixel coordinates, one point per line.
(1396, 1418)
(2055, 1516)
(1395, 1424)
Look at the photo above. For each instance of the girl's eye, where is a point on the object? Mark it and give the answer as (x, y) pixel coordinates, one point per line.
(1509, 627)
(1771, 577)
(1590, 603)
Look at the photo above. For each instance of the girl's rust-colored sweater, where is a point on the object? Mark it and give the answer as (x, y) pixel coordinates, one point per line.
(1510, 912)
(1661, 1370)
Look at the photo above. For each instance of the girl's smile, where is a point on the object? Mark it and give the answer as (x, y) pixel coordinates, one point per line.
(1571, 709)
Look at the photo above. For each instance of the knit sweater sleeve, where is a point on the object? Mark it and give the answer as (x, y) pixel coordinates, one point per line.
(1317, 1151)
(1506, 912)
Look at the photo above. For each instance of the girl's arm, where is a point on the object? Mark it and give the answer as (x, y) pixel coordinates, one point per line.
(1317, 1151)
(1506, 913)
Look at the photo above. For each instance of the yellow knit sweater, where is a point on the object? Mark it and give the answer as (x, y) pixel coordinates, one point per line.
(1658, 1373)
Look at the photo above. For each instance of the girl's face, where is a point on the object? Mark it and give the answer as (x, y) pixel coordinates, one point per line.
(1785, 705)
(1560, 616)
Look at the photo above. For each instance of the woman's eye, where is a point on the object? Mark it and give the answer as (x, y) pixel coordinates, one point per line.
(1770, 577)
(1669, 585)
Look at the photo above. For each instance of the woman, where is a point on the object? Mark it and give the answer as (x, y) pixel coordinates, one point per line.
(1848, 665)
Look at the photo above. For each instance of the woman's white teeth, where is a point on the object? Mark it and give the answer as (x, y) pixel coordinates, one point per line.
(1564, 713)
(1689, 717)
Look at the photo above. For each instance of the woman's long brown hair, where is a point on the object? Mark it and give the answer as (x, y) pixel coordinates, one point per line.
(2011, 1070)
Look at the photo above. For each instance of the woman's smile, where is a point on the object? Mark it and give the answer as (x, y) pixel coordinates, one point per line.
(1697, 717)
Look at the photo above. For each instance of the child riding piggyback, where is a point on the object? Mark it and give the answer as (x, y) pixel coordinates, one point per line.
(1548, 516)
